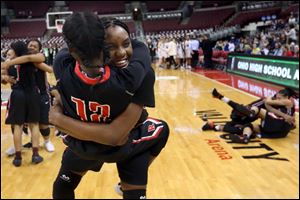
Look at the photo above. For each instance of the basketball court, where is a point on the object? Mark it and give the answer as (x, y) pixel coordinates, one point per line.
(194, 164)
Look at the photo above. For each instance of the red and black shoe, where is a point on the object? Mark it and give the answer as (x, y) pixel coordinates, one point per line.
(208, 126)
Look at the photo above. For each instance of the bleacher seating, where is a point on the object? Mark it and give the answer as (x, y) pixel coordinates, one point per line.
(26, 29)
(22, 9)
(101, 7)
(245, 17)
(159, 5)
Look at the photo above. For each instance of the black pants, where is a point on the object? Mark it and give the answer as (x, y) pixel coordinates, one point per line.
(208, 60)
(195, 58)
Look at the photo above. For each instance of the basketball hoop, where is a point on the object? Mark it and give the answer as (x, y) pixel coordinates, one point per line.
(59, 28)
(59, 24)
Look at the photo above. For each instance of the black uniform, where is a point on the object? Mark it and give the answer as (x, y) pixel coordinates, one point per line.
(42, 83)
(102, 102)
(238, 120)
(276, 127)
(23, 104)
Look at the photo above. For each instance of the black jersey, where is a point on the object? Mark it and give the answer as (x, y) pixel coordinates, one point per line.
(41, 81)
(12, 71)
(103, 100)
(25, 76)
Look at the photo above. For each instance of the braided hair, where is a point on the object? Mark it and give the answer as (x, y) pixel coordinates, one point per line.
(84, 32)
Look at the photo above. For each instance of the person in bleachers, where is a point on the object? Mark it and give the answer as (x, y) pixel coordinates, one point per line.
(256, 50)
(278, 51)
(291, 34)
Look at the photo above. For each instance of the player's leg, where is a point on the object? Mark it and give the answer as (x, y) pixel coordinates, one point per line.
(17, 136)
(44, 122)
(33, 118)
(35, 137)
(240, 108)
(151, 138)
(133, 174)
(72, 169)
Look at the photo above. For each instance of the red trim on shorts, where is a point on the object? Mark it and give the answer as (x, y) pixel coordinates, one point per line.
(154, 135)
(92, 81)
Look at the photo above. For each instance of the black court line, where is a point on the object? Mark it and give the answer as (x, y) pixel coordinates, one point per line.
(202, 111)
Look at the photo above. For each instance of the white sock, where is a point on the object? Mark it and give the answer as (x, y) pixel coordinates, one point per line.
(225, 99)
(217, 127)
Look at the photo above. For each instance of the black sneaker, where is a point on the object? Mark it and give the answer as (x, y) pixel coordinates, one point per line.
(37, 159)
(216, 94)
(17, 162)
(208, 126)
(239, 139)
(28, 145)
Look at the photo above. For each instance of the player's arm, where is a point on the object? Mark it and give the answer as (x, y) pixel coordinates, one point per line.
(114, 134)
(276, 102)
(35, 58)
(43, 67)
(288, 118)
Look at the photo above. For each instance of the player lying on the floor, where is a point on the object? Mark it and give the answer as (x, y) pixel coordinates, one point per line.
(276, 113)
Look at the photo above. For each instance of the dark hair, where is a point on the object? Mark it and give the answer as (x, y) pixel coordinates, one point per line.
(288, 92)
(85, 33)
(19, 47)
(110, 22)
(35, 40)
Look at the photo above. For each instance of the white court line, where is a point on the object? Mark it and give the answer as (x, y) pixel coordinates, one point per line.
(195, 73)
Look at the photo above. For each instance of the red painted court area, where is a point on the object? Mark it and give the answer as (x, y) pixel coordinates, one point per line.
(251, 86)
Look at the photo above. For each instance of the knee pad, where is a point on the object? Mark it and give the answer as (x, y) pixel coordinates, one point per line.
(134, 194)
(45, 132)
(65, 184)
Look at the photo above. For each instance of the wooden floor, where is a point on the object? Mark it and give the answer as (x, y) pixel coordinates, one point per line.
(194, 164)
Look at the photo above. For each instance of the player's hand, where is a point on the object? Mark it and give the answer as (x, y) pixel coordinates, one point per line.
(55, 113)
(9, 79)
(290, 119)
(4, 65)
(56, 95)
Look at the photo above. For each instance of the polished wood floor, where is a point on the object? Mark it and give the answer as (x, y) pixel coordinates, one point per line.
(194, 164)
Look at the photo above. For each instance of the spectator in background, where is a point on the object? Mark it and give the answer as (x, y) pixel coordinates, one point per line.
(255, 50)
(296, 51)
(195, 44)
(172, 51)
(187, 51)
(292, 19)
(278, 51)
(291, 34)
(265, 50)
(151, 49)
(207, 46)
(287, 51)
(231, 45)
(247, 49)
